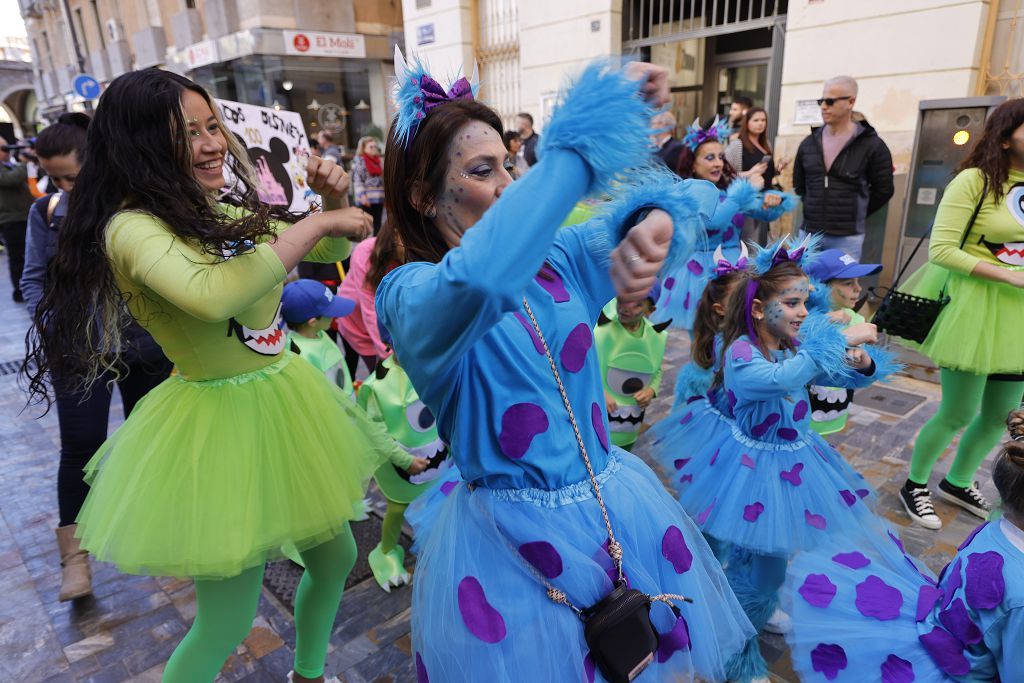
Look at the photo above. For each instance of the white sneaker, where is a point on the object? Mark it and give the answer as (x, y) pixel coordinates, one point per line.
(779, 623)
(332, 679)
(918, 504)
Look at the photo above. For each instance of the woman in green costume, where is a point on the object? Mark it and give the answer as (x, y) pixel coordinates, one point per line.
(246, 448)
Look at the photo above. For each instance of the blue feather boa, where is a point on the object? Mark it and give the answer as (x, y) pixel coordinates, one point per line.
(823, 340)
(886, 363)
(820, 298)
(691, 381)
(762, 260)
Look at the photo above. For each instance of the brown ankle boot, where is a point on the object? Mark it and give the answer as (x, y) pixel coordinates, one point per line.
(76, 579)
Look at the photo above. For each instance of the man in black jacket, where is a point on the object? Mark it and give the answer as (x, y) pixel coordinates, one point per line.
(842, 171)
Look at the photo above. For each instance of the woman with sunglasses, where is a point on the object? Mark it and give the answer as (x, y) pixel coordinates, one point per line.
(703, 158)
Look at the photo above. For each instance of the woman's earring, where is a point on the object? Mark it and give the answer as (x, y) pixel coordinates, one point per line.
(431, 212)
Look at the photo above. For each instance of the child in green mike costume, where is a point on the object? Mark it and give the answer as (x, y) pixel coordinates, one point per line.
(388, 396)
(629, 349)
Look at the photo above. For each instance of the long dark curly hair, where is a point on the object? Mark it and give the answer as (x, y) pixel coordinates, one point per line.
(687, 159)
(138, 157)
(989, 155)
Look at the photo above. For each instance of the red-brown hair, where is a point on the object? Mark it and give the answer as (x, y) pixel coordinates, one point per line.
(988, 155)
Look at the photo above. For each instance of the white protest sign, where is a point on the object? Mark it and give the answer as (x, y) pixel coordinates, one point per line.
(278, 148)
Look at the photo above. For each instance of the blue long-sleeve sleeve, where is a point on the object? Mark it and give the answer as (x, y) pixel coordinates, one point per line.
(759, 212)
(38, 249)
(753, 377)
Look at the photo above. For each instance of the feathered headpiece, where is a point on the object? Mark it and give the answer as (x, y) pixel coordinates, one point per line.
(416, 94)
(777, 252)
(718, 131)
(723, 266)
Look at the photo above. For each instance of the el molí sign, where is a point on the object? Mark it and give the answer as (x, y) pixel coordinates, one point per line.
(314, 44)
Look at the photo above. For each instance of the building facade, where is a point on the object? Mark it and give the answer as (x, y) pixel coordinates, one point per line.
(329, 60)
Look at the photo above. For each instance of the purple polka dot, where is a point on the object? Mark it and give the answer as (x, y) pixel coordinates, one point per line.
(737, 222)
(742, 350)
(686, 418)
(694, 267)
(896, 670)
(729, 234)
(896, 539)
(761, 429)
(693, 399)
(970, 537)
(946, 651)
(670, 282)
(597, 418)
(817, 590)
(519, 425)
(686, 479)
(482, 620)
(747, 461)
(985, 586)
(828, 659)
(800, 411)
(731, 398)
(538, 346)
(676, 640)
(863, 493)
(958, 622)
(421, 670)
(877, 599)
(686, 301)
(577, 344)
(714, 457)
(787, 434)
(854, 560)
(951, 581)
(680, 463)
(543, 556)
(816, 521)
(792, 475)
(448, 487)
(848, 497)
(552, 283)
(927, 597)
(588, 668)
(673, 549)
(753, 511)
(703, 516)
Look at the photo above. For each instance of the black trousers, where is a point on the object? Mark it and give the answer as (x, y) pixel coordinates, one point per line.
(13, 235)
(83, 427)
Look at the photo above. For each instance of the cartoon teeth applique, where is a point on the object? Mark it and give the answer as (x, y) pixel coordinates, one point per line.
(436, 453)
(829, 403)
(626, 419)
(1010, 253)
(268, 341)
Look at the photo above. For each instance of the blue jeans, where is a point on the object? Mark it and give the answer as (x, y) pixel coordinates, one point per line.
(849, 244)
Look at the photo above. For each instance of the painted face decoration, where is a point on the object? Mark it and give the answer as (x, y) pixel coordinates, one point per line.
(785, 313)
(268, 341)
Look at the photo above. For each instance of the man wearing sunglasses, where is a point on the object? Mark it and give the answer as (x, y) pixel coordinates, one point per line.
(842, 171)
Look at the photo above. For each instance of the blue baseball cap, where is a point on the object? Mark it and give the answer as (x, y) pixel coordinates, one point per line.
(305, 299)
(834, 264)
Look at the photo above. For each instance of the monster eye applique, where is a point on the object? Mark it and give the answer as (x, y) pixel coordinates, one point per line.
(627, 382)
(1015, 202)
(419, 416)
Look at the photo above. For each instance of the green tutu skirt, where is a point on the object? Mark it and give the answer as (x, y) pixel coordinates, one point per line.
(977, 331)
(209, 478)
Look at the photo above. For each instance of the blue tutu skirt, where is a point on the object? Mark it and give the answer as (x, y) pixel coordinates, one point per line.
(422, 512)
(480, 613)
(682, 289)
(854, 612)
(770, 498)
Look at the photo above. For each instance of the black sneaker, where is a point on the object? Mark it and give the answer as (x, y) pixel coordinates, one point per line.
(969, 498)
(917, 501)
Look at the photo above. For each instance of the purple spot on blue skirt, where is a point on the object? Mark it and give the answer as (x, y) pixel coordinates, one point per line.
(421, 670)
(686, 418)
(588, 668)
(958, 622)
(896, 670)
(747, 461)
(729, 234)
(519, 425)
(703, 516)
(817, 590)
(985, 586)
(828, 659)
(863, 493)
(848, 497)
(877, 599)
(896, 539)
(694, 267)
(952, 581)
(853, 560)
(686, 479)
(946, 651)
(793, 474)
(482, 620)
(448, 487)
(753, 511)
(680, 463)
(741, 350)
(816, 521)
(731, 398)
(670, 282)
(800, 411)
(927, 598)
(552, 284)
(674, 549)
(543, 556)
(693, 399)
(686, 302)
(676, 640)
(577, 344)
(970, 536)
(714, 457)
(597, 418)
(787, 434)
(537, 345)
(761, 429)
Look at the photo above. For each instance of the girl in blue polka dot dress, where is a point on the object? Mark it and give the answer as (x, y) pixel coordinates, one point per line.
(762, 483)
(867, 613)
(492, 302)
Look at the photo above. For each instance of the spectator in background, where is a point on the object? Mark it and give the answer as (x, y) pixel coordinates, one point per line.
(368, 180)
(751, 155)
(737, 109)
(842, 171)
(669, 148)
(529, 138)
(513, 144)
(15, 201)
(328, 149)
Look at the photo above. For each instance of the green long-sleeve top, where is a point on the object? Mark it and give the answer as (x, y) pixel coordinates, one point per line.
(213, 316)
(998, 233)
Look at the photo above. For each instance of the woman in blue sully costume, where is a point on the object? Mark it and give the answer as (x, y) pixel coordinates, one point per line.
(494, 300)
(704, 159)
(756, 479)
(866, 612)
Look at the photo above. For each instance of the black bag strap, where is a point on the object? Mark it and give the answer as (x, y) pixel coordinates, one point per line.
(963, 240)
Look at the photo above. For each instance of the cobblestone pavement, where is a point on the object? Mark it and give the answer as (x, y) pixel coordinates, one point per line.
(126, 631)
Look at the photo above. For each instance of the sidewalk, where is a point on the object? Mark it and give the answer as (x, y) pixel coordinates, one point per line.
(126, 631)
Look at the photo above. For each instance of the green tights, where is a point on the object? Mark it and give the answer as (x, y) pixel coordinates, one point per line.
(391, 528)
(226, 608)
(972, 401)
